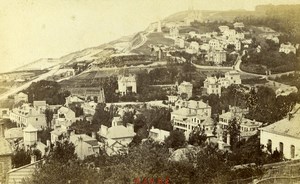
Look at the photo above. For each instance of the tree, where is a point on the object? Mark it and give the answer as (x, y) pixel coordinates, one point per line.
(197, 136)
(63, 152)
(233, 130)
(175, 140)
(101, 116)
(22, 156)
(49, 117)
(62, 166)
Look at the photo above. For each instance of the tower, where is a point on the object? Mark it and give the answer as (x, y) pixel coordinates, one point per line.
(30, 135)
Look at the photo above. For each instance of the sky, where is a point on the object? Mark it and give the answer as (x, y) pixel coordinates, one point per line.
(34, 29)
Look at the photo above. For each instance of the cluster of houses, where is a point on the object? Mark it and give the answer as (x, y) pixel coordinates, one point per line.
(213, 45)
(214, 85)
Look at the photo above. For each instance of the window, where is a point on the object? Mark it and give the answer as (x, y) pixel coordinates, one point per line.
(281, 147)
(292, 151)
(36, 119)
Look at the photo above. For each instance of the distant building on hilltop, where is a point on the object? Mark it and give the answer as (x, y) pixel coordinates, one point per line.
(174, 32)
(127, 84)
(223, 28)
(287, 48)
(238, 25)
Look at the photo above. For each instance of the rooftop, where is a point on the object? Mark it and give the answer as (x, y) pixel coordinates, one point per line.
(289, 126)
(39, 103)
(120, 132)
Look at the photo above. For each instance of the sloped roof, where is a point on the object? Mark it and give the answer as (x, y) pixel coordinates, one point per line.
(184, 112)
(119, 132)
(14, 133)
(197, 104)
(287, 126)
(226, 115)
(30, 128)
(92, 142)
(39, 103)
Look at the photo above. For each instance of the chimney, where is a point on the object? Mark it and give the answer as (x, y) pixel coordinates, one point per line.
(48, 143)
(223, 111)
(94, 135)
(33, 159)
(1, 129)
(228, 139)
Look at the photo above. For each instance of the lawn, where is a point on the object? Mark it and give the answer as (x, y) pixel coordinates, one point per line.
(154, 39)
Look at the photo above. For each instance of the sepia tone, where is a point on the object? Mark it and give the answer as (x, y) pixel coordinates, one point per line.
(131, 91)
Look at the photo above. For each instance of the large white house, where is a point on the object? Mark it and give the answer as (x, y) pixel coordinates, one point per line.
(284, 135)
(27, 114)
(127, 84)
(84, 145)
(287, 48)
(190, 114)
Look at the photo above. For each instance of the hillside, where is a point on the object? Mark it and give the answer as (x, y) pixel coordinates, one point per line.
(213, 15)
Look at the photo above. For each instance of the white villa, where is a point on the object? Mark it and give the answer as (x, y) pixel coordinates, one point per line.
(27, 114)
(287, 48)
(213, 85)
(85, 145)
(189, 114)
(127, 84)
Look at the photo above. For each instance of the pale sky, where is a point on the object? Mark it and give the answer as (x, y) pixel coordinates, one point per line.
(34, 29)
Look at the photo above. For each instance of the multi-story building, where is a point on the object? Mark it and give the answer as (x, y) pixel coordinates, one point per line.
(187, 88)
(27, 114)
(190, 114)
(287, 48)
(85, 145)
(233, 77)
(223, 28)
(213, 85)
(229, 33)
(247, 127)
(217, 56)
(238, 25)
(127, 84)
(214, 44)
(233, 41)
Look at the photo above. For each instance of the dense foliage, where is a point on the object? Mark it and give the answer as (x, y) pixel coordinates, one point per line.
(50, 91)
